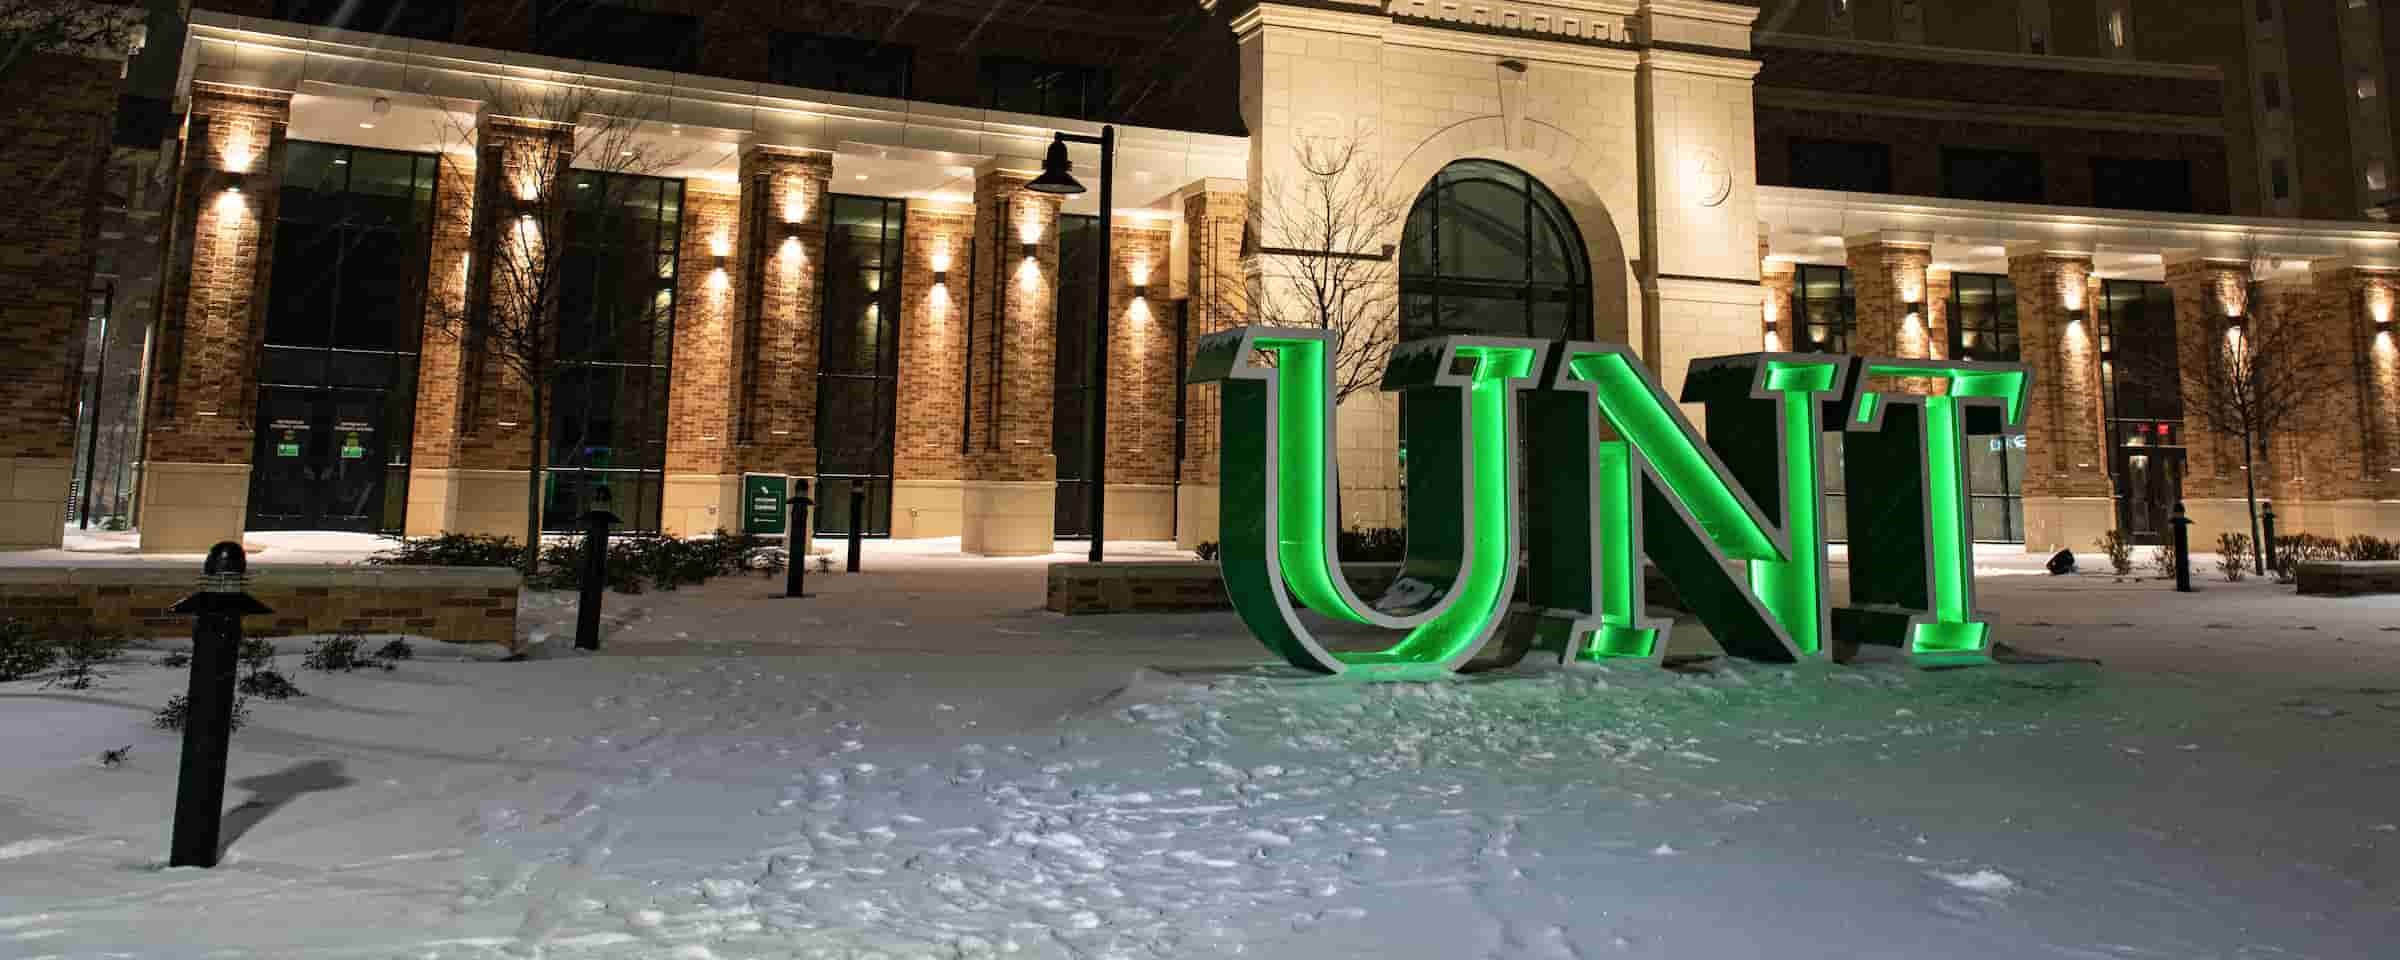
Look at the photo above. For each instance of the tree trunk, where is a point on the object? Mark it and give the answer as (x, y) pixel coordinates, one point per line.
(533, 481)
(2250, 493)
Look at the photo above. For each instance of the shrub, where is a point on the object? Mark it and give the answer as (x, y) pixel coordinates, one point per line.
(2119, 551)
(268, 684)
(2233, 555)
(24, 650)
(1373, 544)
(179, 710)
(175, 658)
(2162, 561)
(2305, 548)
(453, 550)
(2367, 547)
(115, 523)
(340, 653)
(395, 651)
(83, 651)
(257, 653)
(657, 562)
(1206, 550)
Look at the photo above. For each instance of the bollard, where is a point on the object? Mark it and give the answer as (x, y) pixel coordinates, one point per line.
(219, 607)
(2183, 550)
(595, 570)
(2267, 539)
(795, 542)
(858, 520)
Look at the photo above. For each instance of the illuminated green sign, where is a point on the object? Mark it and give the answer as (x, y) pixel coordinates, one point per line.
(1615, 472)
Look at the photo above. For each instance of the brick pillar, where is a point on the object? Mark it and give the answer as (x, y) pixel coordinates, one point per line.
(433, 456)
(1009, 501)
(2212, 464)
(2335, 477)
(1775, 279)
(1888, 270)
(1141, 385)
(1214, 212)
(928, 464)
(204, 391)
(774, 340)
(1937, 313)
(517, 164)
(2068, 498)
(703, 485)
(58, 151)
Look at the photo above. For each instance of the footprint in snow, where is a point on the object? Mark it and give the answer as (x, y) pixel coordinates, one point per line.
(1986, 881)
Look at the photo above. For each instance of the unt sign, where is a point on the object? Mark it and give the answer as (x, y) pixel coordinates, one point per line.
(1611, 471)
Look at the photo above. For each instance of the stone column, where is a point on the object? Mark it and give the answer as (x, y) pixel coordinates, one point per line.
(2212, 460)
(2068, 498)
(204, 393)
(517, 163)
(774, 343)
(1141, 385)
(1008, 503)
(1214, 212)
(1888, 270)
(433, 458)
(702, 493)
(1938, 285)
(936, 287)
(58, 148)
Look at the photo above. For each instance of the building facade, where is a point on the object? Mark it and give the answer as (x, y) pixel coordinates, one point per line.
(798, 242)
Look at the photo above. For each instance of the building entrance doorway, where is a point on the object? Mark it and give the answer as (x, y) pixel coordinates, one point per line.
(323, 462)
(2149, 484)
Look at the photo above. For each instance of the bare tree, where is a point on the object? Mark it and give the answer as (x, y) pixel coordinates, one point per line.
(1323, 242)
(2256, 373)
(62, 26)
(520, 274)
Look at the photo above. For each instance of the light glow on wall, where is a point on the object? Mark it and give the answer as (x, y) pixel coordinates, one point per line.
(241, 149)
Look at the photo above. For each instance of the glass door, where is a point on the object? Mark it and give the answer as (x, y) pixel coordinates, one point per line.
(2149, 483)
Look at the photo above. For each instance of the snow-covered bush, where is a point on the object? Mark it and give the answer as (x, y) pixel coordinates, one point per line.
(2362, 546)
(179, 710)
(395, 651)
(2119, 550)
(2233, 555)
(82, 652)
(340, 653)
(453, 550)
(1206, 550)
(1373, 544)
(2162, 561)
(268, 684)
(24, 650)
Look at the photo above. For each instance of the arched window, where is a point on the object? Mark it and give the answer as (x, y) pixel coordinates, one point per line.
(1488, 250)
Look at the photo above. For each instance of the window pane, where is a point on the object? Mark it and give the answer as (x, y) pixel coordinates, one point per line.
(300, 297)
(1841, 165)
(1988, 521)
(379, 292)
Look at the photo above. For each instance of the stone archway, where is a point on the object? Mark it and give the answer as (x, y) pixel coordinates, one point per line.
(1553, 157)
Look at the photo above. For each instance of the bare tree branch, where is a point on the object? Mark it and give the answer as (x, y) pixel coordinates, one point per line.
(1324, 257)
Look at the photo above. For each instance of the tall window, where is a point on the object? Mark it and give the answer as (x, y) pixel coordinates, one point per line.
(2142, 398)
(1077, 335)
(1489, 250)
(614, 31)
(338, 368)
(1048, 89)
(616, 336)
(1828, 307)
(1983, 317)
(1996, 488)
(845, 64)
(858, 372)
(2005, 176)
(2142, 183)
(1854, 166)
(415, 19)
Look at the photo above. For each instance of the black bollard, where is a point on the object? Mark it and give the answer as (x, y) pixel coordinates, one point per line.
(795, 542)
(595, 570)
(858, 520)
(2267, 538)
(2183, 550)
(219, 606)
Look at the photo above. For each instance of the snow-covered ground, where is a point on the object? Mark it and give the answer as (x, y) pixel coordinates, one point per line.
(916, 763)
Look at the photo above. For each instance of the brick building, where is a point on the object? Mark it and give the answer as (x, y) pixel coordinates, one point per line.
(807, 228)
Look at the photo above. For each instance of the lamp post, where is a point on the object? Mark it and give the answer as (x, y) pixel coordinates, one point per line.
(1057, 180)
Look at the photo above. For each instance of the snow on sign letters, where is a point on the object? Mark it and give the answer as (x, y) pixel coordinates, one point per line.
(1610, 470)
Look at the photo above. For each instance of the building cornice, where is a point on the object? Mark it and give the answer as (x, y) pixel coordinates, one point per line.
(1682, 61)
(1995, 58)
(1796, 98)
(1498, 46)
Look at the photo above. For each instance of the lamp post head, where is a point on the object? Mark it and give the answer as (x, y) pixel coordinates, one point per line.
(1056, 178)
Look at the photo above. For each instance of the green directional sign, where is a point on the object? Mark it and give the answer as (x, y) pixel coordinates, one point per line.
(764, 503)
(1613, 474)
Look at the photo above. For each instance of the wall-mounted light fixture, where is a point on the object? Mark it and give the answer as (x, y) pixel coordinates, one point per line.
(1913, 310)
(1141, 291)
(1029, 248)
(941, 278)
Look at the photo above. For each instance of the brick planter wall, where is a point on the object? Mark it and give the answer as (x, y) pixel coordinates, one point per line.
(452, 604)
(2348, 578)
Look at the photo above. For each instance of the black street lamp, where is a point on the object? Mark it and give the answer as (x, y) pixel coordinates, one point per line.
(1058, 179)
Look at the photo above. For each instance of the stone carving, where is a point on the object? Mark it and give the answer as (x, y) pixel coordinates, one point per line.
(1566, 18)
